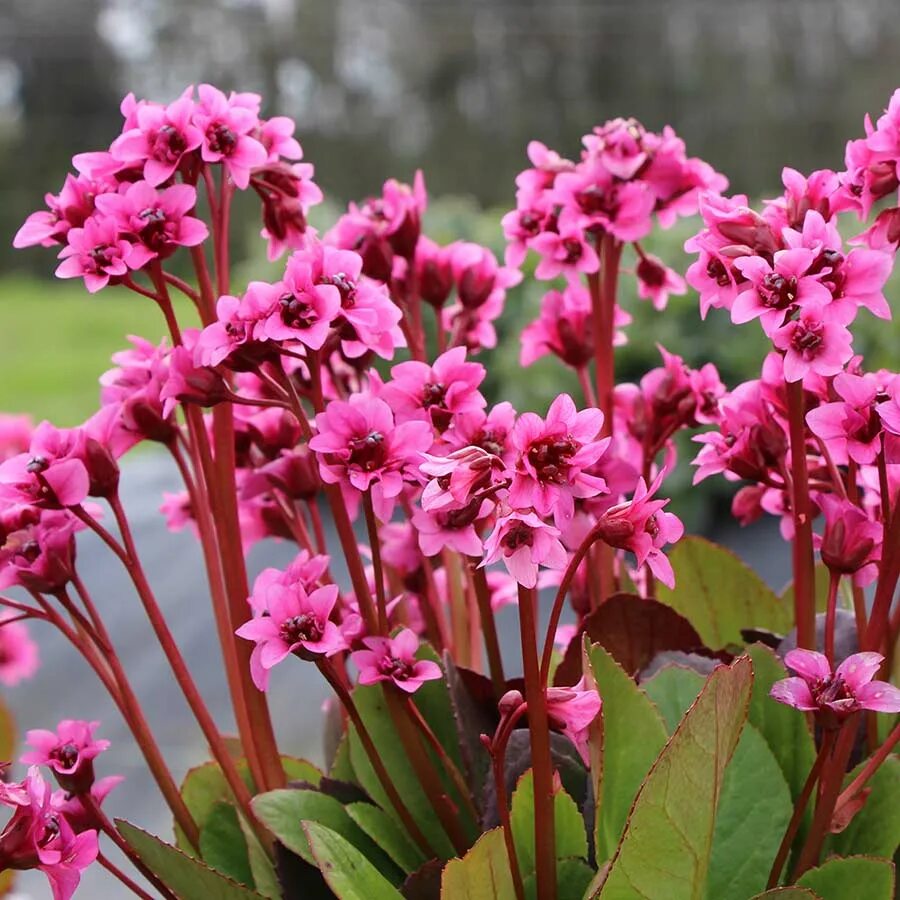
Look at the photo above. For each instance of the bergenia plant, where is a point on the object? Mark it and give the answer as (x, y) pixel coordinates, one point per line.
(665, 726)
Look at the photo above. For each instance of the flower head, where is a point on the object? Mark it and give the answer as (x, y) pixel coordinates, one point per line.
(572, 710)
(394, 659)
(69, 751)
(18, 652)
(523, 541)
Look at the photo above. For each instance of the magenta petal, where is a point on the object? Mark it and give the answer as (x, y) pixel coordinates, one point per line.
(809, 664)
(794, 692)
(859, 669)
(879, 696)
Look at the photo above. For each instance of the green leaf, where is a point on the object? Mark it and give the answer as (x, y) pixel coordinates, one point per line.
(875, 829)
(223, 846)
(264, 875)
(571, 841)
(633, 734)
(482, 874)
(349, 873)
(667, 843)
(186, 877)
(572, 879)
(673, 689)
(788, 893)
(282, 812)
(379, 826)
(784, 729)
(821, 592)
(754, 810)
(204, 786)
(720, 595)
(341, 767)
(856, 877)
(377, 719)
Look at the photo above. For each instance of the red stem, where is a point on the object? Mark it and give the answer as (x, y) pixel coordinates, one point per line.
(834, 580)
(129, 883)
(488, 627)
(871, 766)
(375, 546)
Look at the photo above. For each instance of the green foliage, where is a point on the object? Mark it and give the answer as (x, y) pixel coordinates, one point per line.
(633, 734)
(223, 845)
(667, 844)
(482, 874)
(382, 829)
(572, 879)
(349, 873)
(859, 878)
(186, 877)
(571, 840)
(673, 689)
(720, 595)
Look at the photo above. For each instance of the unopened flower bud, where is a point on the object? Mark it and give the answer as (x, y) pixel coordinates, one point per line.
(510, 702)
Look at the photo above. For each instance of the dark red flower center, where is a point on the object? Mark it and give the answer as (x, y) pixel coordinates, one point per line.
(368, 452)
(167, 145)
(221, 139)
(574, 249)
(716, 270)
(518, 535)
(398, 669)
(807, 338)
(346, 288)
(550, 458)
(66, 755)
(296, 312)
(776, 291)
(305, 627)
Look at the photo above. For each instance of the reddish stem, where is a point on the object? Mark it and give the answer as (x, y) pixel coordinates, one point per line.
(129, 883)
(834, 580)
(378, 568)
(870, 768)
(488, 627)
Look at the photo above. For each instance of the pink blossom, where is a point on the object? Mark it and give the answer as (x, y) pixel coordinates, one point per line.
(66, 210)
(524, 542)
(620, 146)
(69, 751)
(71, 806)
(802, 194)
(291, 620)
(553, 458)
(835, 695)
(490, 430)
(656, 281)
(850, 427)
(37, 548)
(158, 220)
(457, 477)
(571, 710)
(642, 527)
(159, 139)
(435, 393)
(451, 527)
(277, 136)
(851, 542)
(234, 329)
(226, 125)
(37, 837)
(889, 413)
(98, 253)
(18, 652)
(287, 193)
(817, 341)
(359, 446)
(478, 277)
(564, 328)
(564, 253)
(15, 434)
(394, 659)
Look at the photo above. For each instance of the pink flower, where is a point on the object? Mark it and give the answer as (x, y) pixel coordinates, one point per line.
(490, 430)
(37, 548)
(15, 434)
(524, 542)
(479, 279)
(850, 427)
(360, 447)
(394, 659)
(158, 220)
(564, 253)
(98, 253)
(18, 652)
(553, 458)
(435, 393)
(642, 527)
(451, 527)
(457, 477)
(287, 193)
(37, 837)
(70, 752)
(564, 328)
(802, 194)
(290, 620)
(237, 321)
(572, 710)
(226, 125)
(656, 281)
(817, 341)
(851, 541)
(68, 209)
(70, 805)
(277, 136)
(835, 695)
(160, 138)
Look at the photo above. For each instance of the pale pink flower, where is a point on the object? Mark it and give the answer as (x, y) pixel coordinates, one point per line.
(176, 509)
(98, 253)
(524, 542)
(226, 125)
(553, 458)
(817, 341)
(394, 659)
(835, 694)
(18, 652)
(290, 620)
(656, 281)
(159, 138)
(451, 527)
(571, 710)
(455, 478)
(490, 430)
(15, 434)
(69, 751)
(564, 253)
(850, 427)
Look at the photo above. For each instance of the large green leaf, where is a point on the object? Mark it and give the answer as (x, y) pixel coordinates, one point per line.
(784, 729)
(349, 873)
(204, 786)
(853, 878)
(667, 843)
(186, 877)
(754, 810)
(223, 845)
(374, 712)
(633, 734)
(482, 874)
(720, 595)
(673, 689)
(875, 829)
(265, 877)
(283, 811)
(572, 879)
(379, 826)
(788, 893)
(571, 841)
